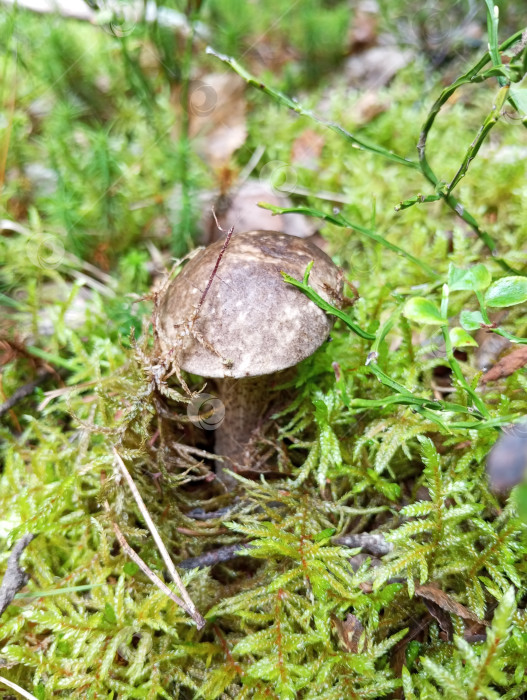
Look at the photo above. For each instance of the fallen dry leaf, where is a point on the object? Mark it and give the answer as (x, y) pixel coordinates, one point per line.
(363, 30)
(442, 618)
(376, 67)
(507, 365)
(368, 106)
(240, 209)
(216, 108)
(349, 632)
(490, 345)
(445, 602)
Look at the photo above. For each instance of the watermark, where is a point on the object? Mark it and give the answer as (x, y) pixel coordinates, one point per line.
(116, 19)
(45, 251)
(439, 31)
(361, 266)
(206, 411)
(201, 98)
(518, 430)
(280, 176)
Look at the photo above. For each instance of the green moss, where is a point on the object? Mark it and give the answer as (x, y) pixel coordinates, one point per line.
(348, 451)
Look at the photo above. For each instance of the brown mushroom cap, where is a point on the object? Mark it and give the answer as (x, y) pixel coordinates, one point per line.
(251, 321)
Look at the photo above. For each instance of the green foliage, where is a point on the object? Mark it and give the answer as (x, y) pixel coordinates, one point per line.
(368, 443)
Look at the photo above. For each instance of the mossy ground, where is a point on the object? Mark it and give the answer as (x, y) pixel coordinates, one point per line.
(95, 166)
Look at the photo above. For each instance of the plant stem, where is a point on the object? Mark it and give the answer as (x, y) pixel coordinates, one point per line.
(454, 364)
(292, 104)
(340, 220)
(487, 125)
(185, 222)
(497, 331)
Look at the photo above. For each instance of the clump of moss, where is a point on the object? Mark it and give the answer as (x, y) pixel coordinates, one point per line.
(387, 433)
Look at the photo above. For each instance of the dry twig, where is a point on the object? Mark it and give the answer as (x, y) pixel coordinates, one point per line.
(151, 575)
(18, 689)
(188, 603)
(15, 578)
(23, 392)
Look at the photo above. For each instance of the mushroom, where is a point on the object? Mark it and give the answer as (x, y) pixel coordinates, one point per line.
(248, 327)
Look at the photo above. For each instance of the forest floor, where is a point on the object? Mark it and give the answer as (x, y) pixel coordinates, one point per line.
(377, 545)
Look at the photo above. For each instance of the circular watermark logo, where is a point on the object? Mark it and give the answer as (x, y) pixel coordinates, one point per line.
(201, 99)
(518, 430)
(45, 251)
(281, 177)
(362, 266)
(116, 19)
(206, 411)
(440, 31)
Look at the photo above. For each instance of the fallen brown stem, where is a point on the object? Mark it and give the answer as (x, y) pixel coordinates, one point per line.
(23, 392)
(217, 556)
(15, 577)
(371, 543)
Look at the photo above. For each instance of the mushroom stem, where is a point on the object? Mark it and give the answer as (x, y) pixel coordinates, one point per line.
(245, 401)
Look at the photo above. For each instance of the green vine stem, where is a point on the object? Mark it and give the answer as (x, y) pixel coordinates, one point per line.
(340, 220)
(490, 325)
(296, 107)
(490, 121)
(454, 364)
(473, 75)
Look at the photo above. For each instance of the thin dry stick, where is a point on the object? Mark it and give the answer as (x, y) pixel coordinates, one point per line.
(15, 577)
(218, 261)
(23, 392)
(200, 622)
(148, 571)
(18, 689)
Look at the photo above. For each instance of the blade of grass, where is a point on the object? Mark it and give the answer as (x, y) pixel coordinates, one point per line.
(492, 30)
(490, 121)
(60, 591)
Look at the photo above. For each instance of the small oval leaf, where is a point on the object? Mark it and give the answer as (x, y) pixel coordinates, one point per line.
(324, 534)
(471, 320)
(461, 339)
(474, 278)
(423, 310)
(507, 291)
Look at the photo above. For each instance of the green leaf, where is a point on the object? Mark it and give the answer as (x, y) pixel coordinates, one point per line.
(460, 338)
(407, 682)
(324, 305)
(130, 568)
(474, 278)
(519, 97)
(504, 614)
(507, 291)
(324, 534)
(423, 311)
(109, 614)
(412, 652)
(471, 320)
(40, 691)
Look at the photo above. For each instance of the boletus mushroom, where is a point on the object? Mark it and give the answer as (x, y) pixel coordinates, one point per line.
(248, 327)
